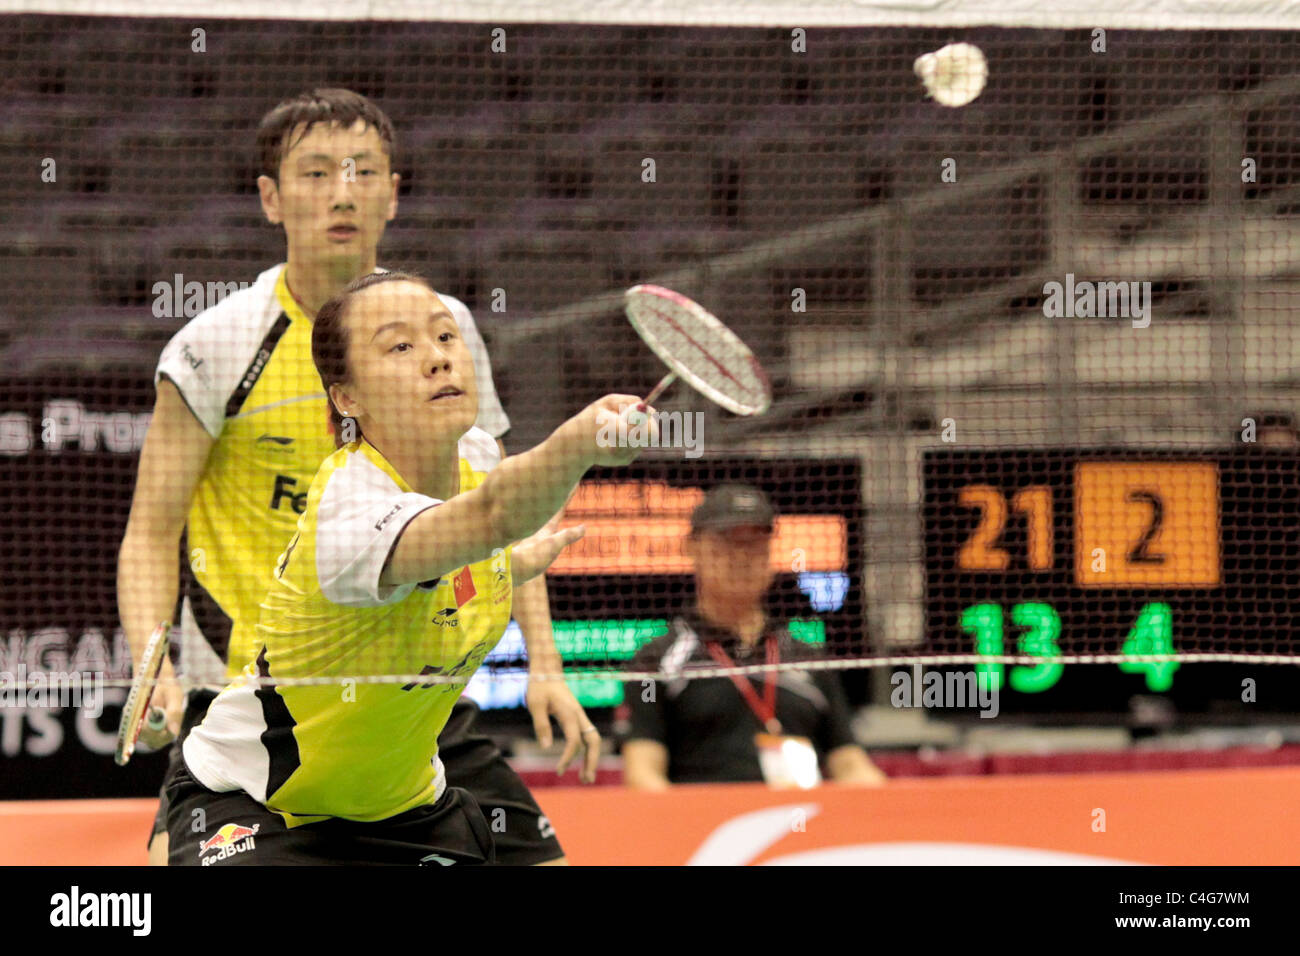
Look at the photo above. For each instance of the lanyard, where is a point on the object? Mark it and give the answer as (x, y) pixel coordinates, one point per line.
(765, 709)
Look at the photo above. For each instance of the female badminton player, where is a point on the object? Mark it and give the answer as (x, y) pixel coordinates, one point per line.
(403, 564)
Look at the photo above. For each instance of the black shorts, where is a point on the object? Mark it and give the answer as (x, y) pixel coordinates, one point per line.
(196, 707)
(522, 834)
(205, 828)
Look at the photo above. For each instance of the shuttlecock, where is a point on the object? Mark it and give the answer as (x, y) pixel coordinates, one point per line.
(954, 75)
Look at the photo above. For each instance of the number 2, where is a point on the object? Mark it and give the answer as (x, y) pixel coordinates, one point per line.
(1138, 554)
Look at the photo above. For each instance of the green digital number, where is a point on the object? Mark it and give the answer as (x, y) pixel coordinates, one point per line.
(1044, 627)
(1043, 624)
(596, 691)
(809, 631)
(984, 623)
(1153, 633)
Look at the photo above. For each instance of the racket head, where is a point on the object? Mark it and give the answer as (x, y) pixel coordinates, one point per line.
(136, 709)
(695, 344)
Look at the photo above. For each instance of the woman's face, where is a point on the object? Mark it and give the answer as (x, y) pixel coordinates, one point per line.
(412, 374)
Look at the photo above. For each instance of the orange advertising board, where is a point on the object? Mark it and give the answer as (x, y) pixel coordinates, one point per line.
(1210, 817)
(1184, 817)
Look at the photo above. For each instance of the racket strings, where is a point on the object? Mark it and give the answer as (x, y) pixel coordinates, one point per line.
(700, 349)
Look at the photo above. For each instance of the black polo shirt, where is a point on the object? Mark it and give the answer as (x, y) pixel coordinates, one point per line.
(706, 724)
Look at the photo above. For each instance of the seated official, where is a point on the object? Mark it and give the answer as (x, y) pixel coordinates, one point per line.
(774, 725)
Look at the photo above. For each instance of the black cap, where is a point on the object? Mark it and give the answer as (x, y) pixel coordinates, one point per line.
(732, 506)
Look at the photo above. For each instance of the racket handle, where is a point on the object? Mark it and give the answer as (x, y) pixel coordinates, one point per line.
(154, 734)
(660, 388)
(636, 418)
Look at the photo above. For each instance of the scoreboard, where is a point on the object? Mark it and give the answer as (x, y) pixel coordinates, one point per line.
(617, 588)
(1097, 553)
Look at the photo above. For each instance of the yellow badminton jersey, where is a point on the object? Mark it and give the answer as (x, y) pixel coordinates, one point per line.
(346, 748)
(245, 370)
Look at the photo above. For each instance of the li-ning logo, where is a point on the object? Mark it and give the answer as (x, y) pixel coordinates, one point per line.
(229, 840)
(256, 369)
(277, 446)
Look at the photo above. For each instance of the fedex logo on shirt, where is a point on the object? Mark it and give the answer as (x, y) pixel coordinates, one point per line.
(190, 357)
(379, 525)
(284, 485)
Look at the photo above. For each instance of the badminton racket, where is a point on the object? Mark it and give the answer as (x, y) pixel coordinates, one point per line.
(699, 349)
(136, 712)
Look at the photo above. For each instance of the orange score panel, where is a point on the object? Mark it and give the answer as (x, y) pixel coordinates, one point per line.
(1145, 524)
(641, 528)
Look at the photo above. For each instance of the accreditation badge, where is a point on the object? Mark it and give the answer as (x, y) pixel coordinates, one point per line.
(787, 762)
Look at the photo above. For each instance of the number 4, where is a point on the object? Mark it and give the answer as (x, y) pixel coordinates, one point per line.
(1152, 634)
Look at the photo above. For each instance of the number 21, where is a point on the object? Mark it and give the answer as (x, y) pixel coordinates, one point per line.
(982, 551)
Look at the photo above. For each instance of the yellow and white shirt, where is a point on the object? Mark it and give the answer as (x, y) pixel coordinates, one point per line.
(245, 369)
(346, 748)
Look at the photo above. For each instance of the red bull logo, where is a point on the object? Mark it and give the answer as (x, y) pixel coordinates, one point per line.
(229, 840)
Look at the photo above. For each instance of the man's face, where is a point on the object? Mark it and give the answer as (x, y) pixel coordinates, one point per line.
(412, 374)
(733, 564)
(335, 195)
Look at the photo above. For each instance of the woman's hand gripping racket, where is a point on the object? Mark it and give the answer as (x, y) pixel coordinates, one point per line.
(137, 715)
(699, 349)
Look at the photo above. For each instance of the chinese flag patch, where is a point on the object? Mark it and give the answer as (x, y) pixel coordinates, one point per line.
(463, 586)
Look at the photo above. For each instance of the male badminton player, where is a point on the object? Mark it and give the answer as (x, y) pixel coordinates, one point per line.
(413, 519)
(239, 429)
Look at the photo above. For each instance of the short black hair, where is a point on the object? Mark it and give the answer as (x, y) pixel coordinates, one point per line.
(321, 105)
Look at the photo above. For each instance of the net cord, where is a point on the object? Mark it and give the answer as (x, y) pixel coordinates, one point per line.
(1049, 14)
